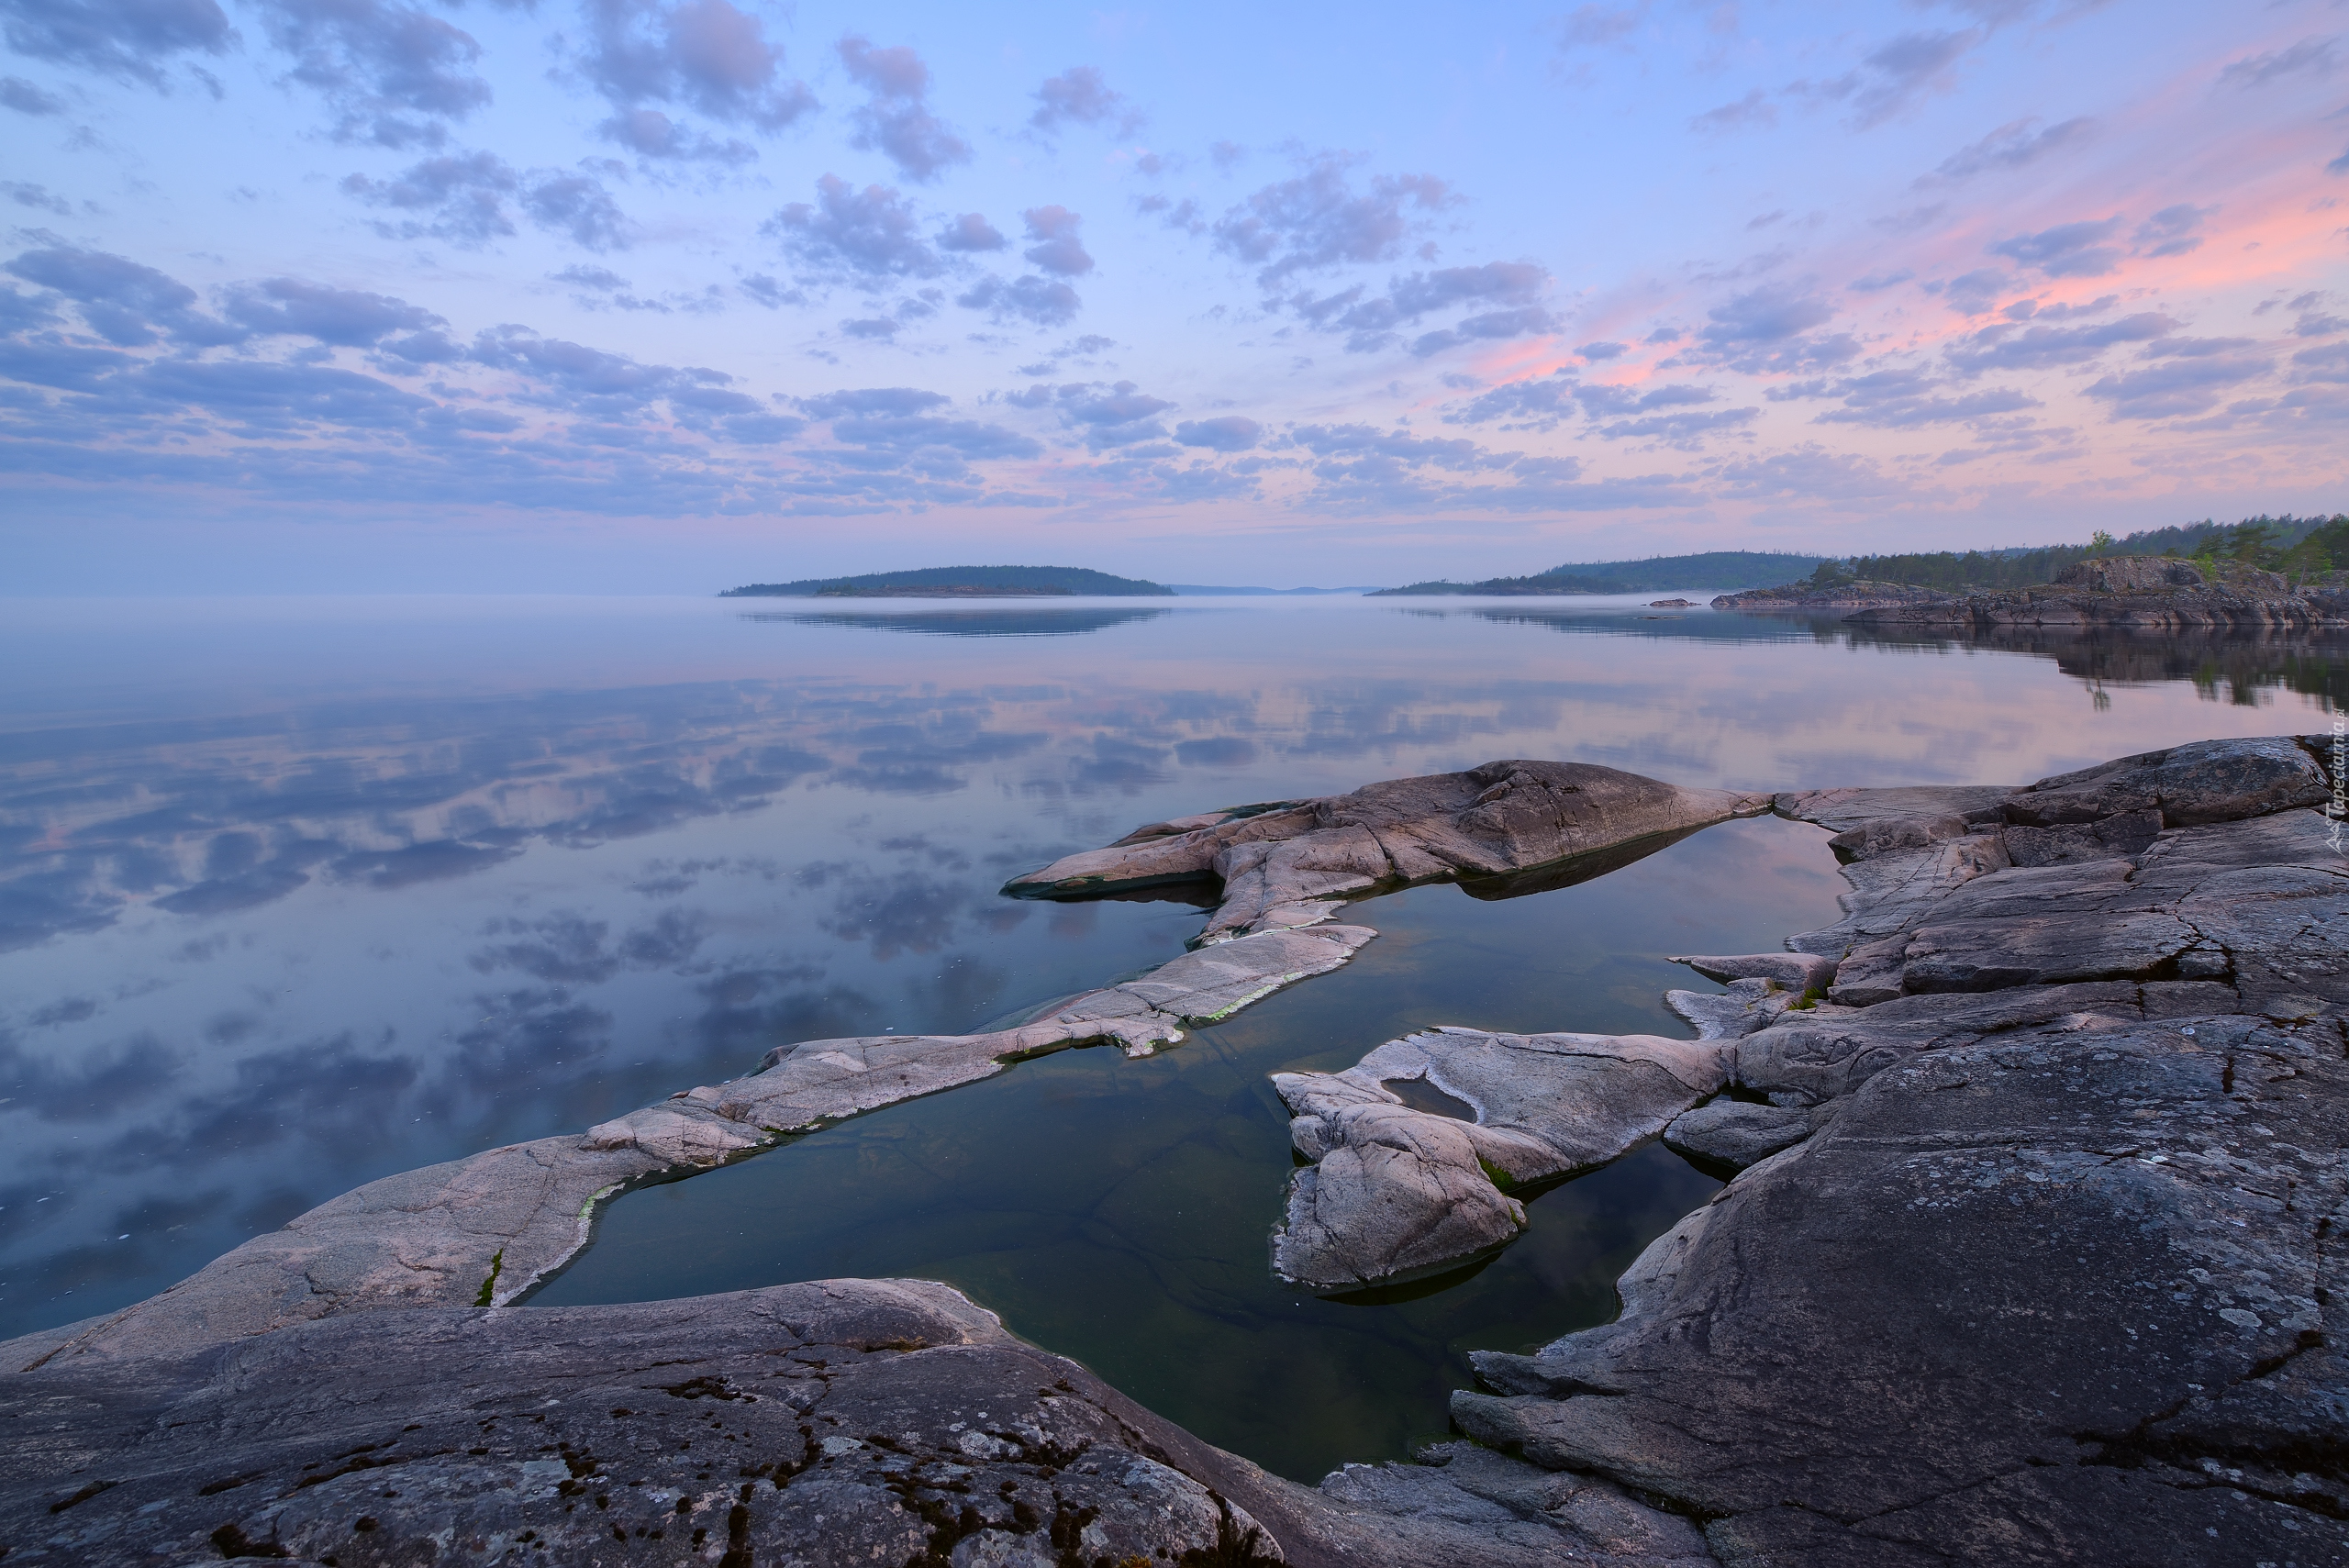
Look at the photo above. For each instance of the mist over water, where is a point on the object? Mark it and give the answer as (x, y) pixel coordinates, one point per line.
(296, 894)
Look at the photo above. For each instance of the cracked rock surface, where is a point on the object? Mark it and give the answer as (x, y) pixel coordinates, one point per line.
(1288, 863)
(2050, 1268)
(819, 1425)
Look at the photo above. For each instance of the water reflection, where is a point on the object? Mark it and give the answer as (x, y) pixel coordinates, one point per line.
(1119, 1211)
(2225, 665)
(969, 623)
(293, 895)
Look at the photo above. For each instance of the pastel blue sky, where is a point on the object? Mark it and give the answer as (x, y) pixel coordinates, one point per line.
(636, 296)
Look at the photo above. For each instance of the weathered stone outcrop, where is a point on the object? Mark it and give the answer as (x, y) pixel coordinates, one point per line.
(1290, 863)
(483, 1230)
(828, 1424)
(1393, 1190)
(1807, 598)
(2032, 1258)
(2127, 591)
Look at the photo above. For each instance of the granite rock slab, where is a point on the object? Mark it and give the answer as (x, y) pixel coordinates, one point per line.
(822, 1424)
(1289, 863)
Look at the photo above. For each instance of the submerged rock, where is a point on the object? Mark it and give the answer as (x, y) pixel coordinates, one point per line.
(1290, 863)
(1394, 1191)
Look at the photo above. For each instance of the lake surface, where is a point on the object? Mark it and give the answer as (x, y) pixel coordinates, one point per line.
(295, 894)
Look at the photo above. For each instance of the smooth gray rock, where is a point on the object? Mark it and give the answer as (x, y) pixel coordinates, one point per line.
(1295, 863)
(1794, 972)
(1745, 1006)
(1393, 1191)
(1729, 1135)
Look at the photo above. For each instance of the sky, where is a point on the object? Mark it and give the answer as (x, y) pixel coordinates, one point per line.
(627, 297)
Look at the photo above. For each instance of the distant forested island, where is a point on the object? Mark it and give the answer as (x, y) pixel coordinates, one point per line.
(960, 582)
(1714, 569)
(2284, 543)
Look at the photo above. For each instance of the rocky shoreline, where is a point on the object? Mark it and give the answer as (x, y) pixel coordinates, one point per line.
(2031, 1254)
(2122, 591)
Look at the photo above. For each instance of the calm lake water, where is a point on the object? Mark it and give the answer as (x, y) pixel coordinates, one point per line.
(294, 894)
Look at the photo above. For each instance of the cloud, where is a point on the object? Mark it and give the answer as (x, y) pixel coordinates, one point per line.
(392, 73)
(1038, 300)
(1526, 321)
(2312, 55)
(2067, 251)
(1877, 282)
(1905, 399)
(1082, 96)
(1603, 350)
(465, 194)
(888, 400)
(345, 318)
(1317, 220)
(1588, 26)
(1770, 314)
(1525, 405)
(25, 192)
(576, 206)
(1650, 415)
(895, 119)
(2003, 347)
(894, 428)
(121, 38)
(1754, 111)
(1115, 414)
(2329, 363)
(2012, 145)
(1908, 67)
(1682, 430)
(21, 96)
(2185, 386)
(1976, 292)
(2031, 310)
(868, 234)
(1057, 249)
(1226, 433)
(1371, 320)
(970, 232)
(702, 54)
(2170, 231)
(655, 135)
(124, 302)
